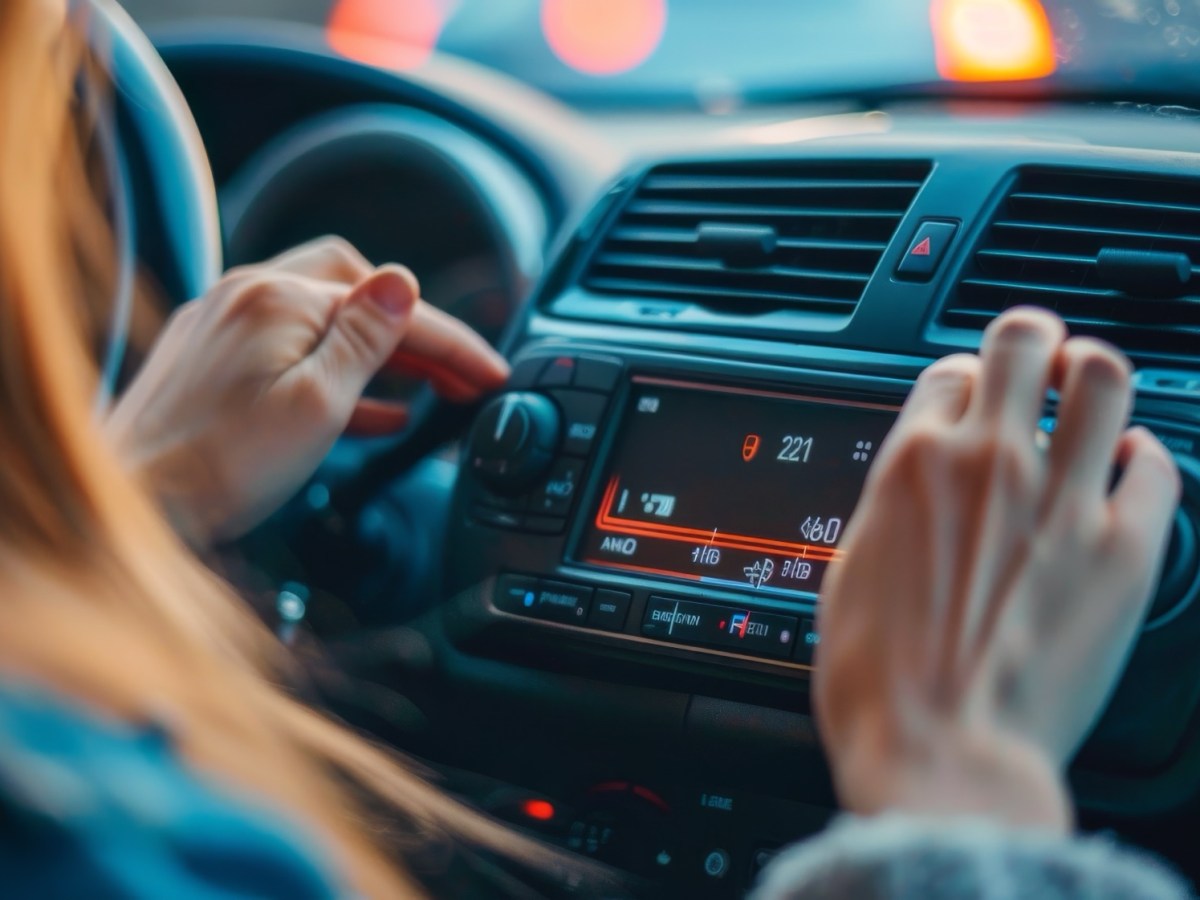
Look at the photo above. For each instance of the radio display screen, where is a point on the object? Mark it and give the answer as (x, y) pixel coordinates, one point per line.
(731, 487)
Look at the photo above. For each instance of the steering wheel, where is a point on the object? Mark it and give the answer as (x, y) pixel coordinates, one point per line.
(172, 202)
(170, 185)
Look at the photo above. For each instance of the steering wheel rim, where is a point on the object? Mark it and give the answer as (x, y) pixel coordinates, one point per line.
(157, 118)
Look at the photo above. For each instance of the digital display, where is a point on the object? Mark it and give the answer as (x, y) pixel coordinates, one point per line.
(731, 487)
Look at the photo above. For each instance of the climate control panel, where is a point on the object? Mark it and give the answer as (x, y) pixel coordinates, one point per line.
(529, 448)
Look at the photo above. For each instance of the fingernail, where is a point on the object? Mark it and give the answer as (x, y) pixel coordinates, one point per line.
(393, 302)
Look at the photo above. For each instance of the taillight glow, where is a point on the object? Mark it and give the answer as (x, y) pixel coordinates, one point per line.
(603, 37)
(992, 40)
(391, 34)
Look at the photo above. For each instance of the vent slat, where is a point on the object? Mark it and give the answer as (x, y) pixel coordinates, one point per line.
(664, 235)
(1006, 256)
(829, 225)
(708, 210)
(680, 264)
(703, 183)
(1042, 246)
(1136, 206)
(656, 289)
(1050, 290)
(1114, 236)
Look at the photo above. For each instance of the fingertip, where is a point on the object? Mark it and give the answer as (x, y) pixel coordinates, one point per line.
(1023, 323)
(500, 372)
(1093, 361)
(393, 289)
(404, 274)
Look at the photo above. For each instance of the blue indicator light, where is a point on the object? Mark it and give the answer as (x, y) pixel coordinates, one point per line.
(529, 598)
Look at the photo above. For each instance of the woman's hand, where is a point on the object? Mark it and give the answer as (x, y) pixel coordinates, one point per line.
(991, 589)
(248, 388)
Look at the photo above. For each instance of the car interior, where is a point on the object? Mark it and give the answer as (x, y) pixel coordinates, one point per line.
(587, 605)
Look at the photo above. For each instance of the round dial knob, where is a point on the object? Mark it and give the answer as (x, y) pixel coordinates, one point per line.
(514, 441)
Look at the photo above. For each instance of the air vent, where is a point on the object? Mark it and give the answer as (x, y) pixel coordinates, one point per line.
(1112, 254)
(749, 238)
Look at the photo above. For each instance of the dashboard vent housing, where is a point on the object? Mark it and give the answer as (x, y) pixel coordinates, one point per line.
(1049, 244)
(747, 238)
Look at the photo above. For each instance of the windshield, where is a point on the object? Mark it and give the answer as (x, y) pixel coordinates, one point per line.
(722, 52)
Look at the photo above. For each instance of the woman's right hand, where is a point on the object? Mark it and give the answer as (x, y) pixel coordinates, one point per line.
(248, 388)
(991, 589)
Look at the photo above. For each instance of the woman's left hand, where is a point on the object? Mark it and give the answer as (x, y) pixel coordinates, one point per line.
(248, 388)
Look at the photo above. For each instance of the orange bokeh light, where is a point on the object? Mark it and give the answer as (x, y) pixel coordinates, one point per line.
(603, 37)
(992, 40)
(391, 34)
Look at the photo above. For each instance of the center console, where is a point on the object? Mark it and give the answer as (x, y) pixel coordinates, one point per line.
(658, 520)
(676, 504)
(643, 518)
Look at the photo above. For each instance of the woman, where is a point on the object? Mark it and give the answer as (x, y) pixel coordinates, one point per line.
(146, 746)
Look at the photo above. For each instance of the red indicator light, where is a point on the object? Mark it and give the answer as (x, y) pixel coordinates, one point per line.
(992, 40)
(603, 37)
(540, 810)
(922, 249)
(750, 447)
(391, 34)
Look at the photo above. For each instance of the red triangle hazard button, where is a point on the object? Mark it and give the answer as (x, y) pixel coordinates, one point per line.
(925, 249)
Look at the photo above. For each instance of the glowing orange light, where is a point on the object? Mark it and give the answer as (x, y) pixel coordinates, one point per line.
(541, 810)
(603, 37)
(992, 40)
(391, 34)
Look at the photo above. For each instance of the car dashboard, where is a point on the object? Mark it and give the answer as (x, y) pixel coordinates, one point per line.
(712, 323)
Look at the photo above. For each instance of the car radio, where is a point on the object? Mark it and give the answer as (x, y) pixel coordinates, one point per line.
(682, 504)
(730, 486)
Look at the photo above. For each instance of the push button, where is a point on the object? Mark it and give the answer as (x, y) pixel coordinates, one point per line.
(516, 594)
(582, 414)
(597, 373)
(496, 518)
(716, 864)
(499, 501)
(807, 640)
(560, 602)
(525, 374)
(740, 630)
(559, 373)
(555, 495)
(925, 252)
(609, 610)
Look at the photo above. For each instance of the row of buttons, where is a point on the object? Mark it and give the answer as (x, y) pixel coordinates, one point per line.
(580, 387)
(586, 373)
(667, 618)
(745, 631)
(560, 601)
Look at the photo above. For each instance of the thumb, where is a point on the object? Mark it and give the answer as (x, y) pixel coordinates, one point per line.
(365, 331)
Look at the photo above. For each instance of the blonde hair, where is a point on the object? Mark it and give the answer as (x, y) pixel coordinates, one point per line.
(102, 602)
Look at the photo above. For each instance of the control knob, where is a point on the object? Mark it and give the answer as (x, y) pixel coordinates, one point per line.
(514, 441)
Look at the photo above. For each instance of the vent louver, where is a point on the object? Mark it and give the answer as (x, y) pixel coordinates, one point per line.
(1050, 244)
(748, 238)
